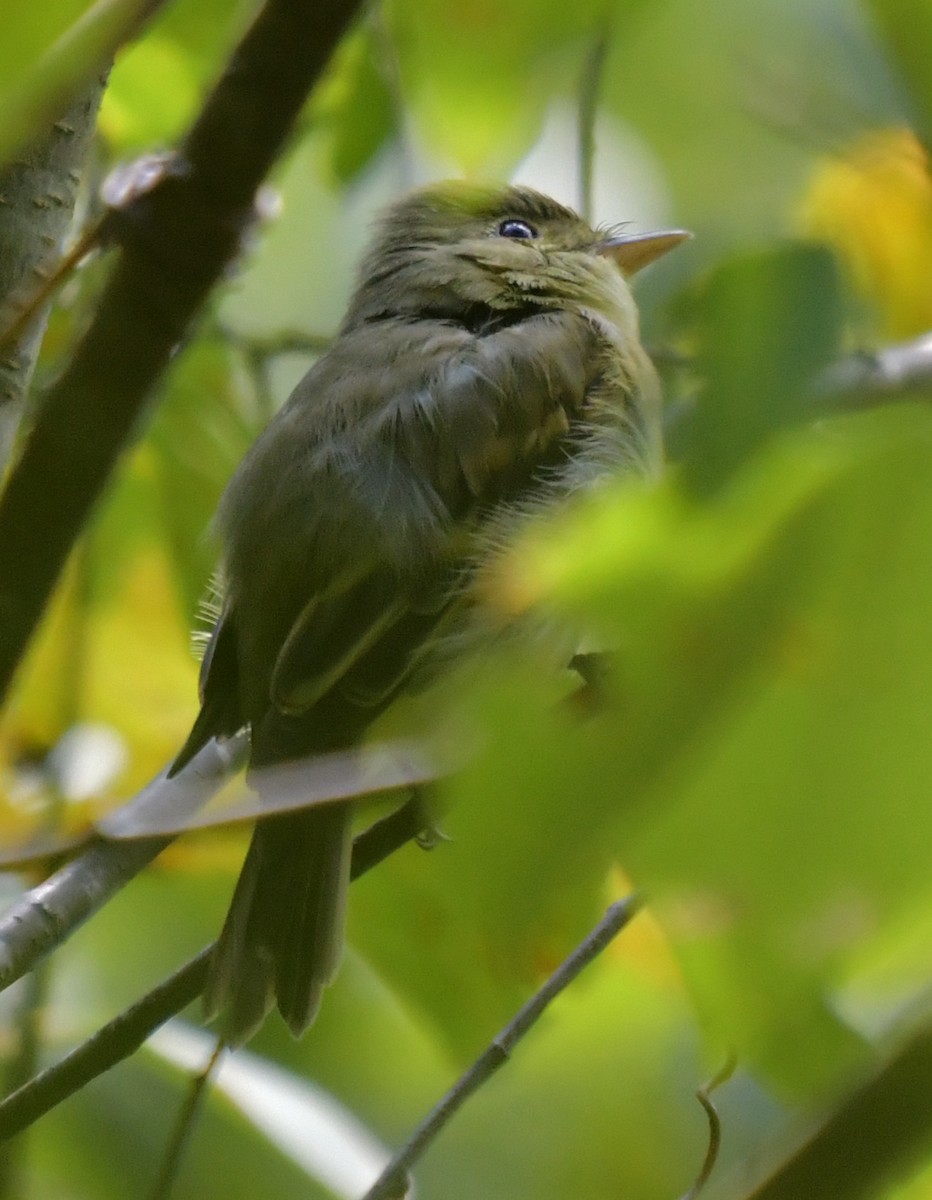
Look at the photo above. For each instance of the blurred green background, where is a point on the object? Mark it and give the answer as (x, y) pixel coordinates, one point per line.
(761, 767)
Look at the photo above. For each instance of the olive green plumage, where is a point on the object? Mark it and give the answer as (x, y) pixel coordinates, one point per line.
(489, 363)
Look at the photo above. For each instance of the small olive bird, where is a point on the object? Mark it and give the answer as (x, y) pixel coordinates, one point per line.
(489, 365)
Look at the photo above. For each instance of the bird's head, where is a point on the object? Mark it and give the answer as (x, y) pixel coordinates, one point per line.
(485, 255)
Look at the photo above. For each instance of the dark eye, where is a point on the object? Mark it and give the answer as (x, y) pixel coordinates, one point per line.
(516, 229)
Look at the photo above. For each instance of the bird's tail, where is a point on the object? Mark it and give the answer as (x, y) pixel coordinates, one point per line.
(283, 936)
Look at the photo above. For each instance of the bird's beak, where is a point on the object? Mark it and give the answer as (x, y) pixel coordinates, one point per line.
(632, 251)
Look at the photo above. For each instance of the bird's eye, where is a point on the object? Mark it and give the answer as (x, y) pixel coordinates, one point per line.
(516, 229)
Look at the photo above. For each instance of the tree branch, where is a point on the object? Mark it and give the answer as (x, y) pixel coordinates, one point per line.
(110, 1045)
(176, 242)
(889, 374)
(47, 914)
(127, 839)
(392, 1184)
(37, 196)
(123, 1036)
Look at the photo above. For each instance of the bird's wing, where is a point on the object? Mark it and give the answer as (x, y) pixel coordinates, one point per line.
(220, 714)
(430, 436)
(470, 431)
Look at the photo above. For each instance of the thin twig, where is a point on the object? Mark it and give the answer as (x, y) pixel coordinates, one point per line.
(589, 87)
(171, 1160)
(110, 1045)
(260, 353)
(23, 1061)
(286, 341)
(123, 1036)
(28, 308)
(393, 1182)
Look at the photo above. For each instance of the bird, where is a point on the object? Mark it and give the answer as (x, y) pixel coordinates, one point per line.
(489, 366)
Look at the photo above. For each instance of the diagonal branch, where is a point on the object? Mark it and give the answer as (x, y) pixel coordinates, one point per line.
(392, 1184)
(176, 241)
(123, 1036)
(127, 839)
(42, 918)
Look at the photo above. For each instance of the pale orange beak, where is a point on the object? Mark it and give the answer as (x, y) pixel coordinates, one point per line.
(632, 251)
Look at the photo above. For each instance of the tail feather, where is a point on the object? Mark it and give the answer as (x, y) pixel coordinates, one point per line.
(309, 945)
(239, 982)
(282, 939)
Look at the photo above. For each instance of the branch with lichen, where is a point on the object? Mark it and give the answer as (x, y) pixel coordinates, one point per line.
(38, 190)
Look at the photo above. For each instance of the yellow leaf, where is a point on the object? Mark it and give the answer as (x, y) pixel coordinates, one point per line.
(873, 205)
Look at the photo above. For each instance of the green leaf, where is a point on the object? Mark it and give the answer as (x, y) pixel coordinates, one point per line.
(464, 69)
(768, 323)
(157, 83)
(762, 758)
(354, 101)
(907, 28)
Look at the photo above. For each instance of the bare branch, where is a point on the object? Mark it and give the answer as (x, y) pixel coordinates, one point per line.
(125, 1034)
(392, 1184)
(127, 839)
(108, 1046)
(48, 914)
(889, 374)
(37, 196)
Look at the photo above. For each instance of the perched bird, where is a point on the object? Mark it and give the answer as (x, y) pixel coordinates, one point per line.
(489, 363)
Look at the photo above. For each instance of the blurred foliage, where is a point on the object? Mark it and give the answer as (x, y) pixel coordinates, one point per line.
(873, 202)
(906, 26)
(760, 760)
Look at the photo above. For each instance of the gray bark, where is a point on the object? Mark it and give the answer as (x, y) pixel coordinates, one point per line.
(38, 190)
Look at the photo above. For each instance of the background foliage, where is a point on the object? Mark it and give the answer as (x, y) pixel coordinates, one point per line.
(761, 766)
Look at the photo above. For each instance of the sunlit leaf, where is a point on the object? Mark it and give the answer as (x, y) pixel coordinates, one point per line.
(157, 83)
(765, 761)
(872, 204)
(463, 68)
